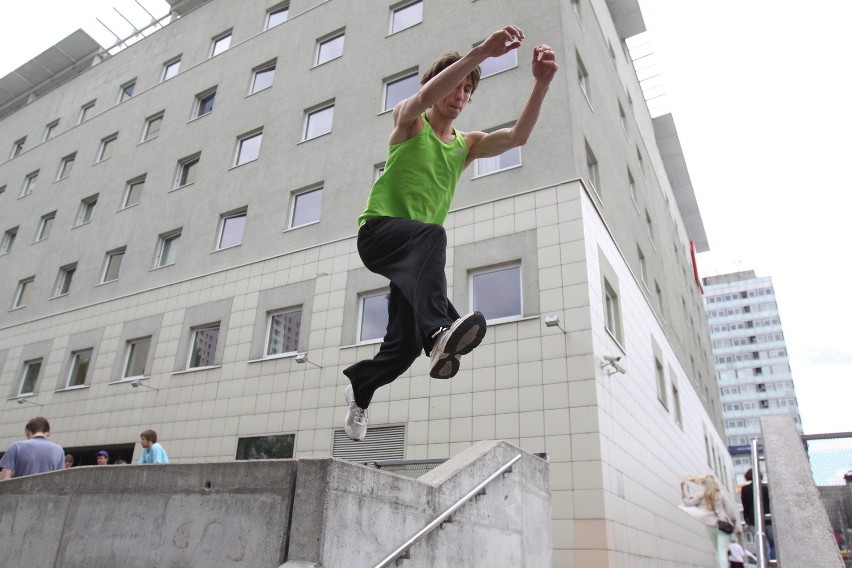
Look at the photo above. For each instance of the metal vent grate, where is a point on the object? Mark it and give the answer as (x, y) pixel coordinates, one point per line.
(381, 443)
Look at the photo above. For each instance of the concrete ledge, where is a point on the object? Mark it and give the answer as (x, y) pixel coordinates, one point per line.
(803, 535)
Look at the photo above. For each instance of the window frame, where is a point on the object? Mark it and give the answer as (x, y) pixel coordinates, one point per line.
(315, 111)
(395, 80)
(223, 220)
(66, 165)
(166, 254)
(167, 66)
(208, 95)
(126, 91)
(268, 67)
(277, 9)
(241, 140)
(593, 170)
(497, 63)
(43, 222)
(192, 342)
(49, 129)
(108, 263)
(660, 380)
(75, 366)
(151, 120)
(362, 299)
(64, 279)
(270, 316)
(326, 40)
(17, 148)
(30, 182)
(24, 373)
(612, 311)
(214, 42)
(583, 79)
(86, 211)
(84, 115)
(106, 147)
(295, 201)
(128, 355)
(128, 191)
(19, 299)
(9, 238)
(399, 8)
(484, 270)
(183, 164)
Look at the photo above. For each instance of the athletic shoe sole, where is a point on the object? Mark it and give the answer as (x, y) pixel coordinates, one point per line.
(464, 336)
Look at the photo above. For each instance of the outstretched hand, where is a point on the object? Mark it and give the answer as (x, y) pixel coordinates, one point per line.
(503, 41)
(544, 65)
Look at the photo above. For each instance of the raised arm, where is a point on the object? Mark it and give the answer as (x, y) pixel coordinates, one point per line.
(498, 43)
(482, 145)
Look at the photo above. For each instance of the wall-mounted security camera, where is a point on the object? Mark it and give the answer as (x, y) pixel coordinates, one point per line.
(551, 321)
(618, 368)
(611, 358)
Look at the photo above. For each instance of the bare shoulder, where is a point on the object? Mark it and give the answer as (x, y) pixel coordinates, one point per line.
(472, 138)
(404, 129)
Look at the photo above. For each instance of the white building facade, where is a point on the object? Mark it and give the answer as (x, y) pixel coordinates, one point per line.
(180, 254)
(752, 364)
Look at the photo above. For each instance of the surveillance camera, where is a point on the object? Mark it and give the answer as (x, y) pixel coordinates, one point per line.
(551, 321)
(20, 401)
(611, 359)
(301, 357)
(134, 383)
(618, 368)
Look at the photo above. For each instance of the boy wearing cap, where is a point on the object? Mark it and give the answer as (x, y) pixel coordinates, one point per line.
(102, 458)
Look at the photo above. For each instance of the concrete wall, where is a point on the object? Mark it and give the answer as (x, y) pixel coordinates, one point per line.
(329, 512)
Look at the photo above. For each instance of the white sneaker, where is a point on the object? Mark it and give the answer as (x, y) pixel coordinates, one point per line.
(356, 417)
(463, 336)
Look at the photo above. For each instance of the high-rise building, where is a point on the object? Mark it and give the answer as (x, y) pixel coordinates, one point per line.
(180, 215)
(752, 365)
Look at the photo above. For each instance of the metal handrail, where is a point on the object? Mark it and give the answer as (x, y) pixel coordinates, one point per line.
(757, 492)
(402, 549)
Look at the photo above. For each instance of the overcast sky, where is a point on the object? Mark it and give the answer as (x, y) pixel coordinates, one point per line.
(759, 90)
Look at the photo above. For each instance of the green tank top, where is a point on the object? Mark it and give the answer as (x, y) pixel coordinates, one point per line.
(419, 180)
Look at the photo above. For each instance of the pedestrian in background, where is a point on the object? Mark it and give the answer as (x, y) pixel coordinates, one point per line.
(152, 451)
(34, 455)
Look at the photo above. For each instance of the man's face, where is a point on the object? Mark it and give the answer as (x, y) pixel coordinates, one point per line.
(101, 460)
(458, 98)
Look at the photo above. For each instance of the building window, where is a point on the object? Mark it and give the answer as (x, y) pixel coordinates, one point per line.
(87, 209)
(29, 377)
(494, 65)
(613, 311)
(136, 358)
(44, 226)
(497, 293)
(50, 131)
(204, 102)
(17, 148)
(204, 342)
(378, 170)
(661, 382)
(659, 294)
(631, 184)
(171, 69)
(306, 208)
(277, 15)
(231, 228)
(187, 168)
(8, 240)
(80, 361)
(583, 79)
(318, 122)
(167, 244)
(263, 77)
(592, 169)
(66, 165)
(676, 403)
(283, 332)
(405, 16)
(29, 184)
(152, 126)
(373, 322)
(86, 112)
(279, 447)
(112, 265)
(643, 266)
(641, 161)
(22, 292)
(509, 159)
(126, 91)
(248, 148)
(330, 48)
(622, 117)
(399, 89)
(649, 223)
(133, 192)
(106, 148)
(63, 280)
(220, 43)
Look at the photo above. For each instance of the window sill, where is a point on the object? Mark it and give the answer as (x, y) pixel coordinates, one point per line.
(276, 357)
(106, 282)
(126, 208)
(74, 388)
(127, 380)
(80, 225)
(300, 226)
(235, 166)
(152, 269)
(315, 137)
(327, 61)
(616, 340)
(226, 248)
(194, 118)
(154, 137)
(515, 66)
(12, 309)
(101, 161)
(181, 186)
(24, 395)
(257, 91)
(393, 33)
(58, 296)
(195, 369)
(501, 170)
